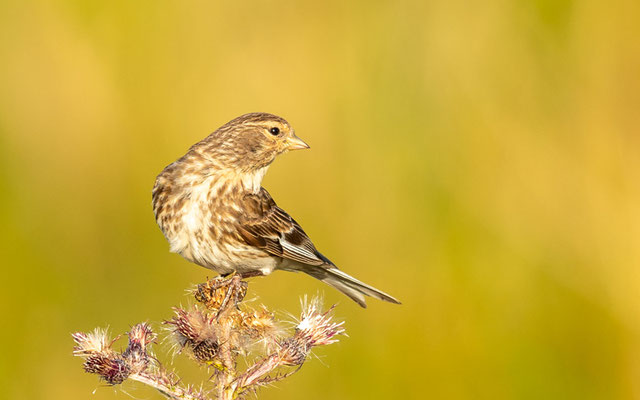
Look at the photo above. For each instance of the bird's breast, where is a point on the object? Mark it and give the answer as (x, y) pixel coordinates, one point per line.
(203, 229)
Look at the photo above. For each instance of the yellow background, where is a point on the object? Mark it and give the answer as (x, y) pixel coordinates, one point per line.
(480, 160)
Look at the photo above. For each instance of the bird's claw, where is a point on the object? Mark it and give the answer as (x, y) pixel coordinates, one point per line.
(222, 292)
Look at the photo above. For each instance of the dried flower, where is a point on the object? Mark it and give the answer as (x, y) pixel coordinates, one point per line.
(253, 329)
(112, 368)
(100, 358)
(197, 331)
(216, 293)
(140, 336)
(215, 335)
(92, 342)
(315, 327)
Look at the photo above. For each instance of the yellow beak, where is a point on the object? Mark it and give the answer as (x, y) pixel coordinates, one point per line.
(295, 143)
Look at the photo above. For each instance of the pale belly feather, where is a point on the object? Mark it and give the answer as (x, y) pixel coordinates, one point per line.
(192, 239)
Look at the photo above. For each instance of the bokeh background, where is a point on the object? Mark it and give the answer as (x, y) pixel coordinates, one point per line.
(479, 160)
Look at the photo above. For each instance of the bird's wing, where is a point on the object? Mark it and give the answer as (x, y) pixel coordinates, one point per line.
(267, 226)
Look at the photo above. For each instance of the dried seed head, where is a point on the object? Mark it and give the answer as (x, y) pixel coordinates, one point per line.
(214, 292)
(140, 336)
(315, 327)
(193, 325)
(100, 359)
(92, 342)
(293, 351)
(196, 331)
(249, 328)
(260, 322)
(183, 326)
(113, 369)
(205, 351)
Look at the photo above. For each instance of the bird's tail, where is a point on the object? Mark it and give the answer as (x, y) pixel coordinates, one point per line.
(347, 284)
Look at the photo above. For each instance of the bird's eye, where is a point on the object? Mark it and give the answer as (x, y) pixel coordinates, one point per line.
(274, 131)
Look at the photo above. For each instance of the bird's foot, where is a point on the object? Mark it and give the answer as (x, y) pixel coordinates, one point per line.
(250, 274)
(222, 292)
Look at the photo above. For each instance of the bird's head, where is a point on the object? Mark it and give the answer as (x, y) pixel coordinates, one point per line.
(250, 142)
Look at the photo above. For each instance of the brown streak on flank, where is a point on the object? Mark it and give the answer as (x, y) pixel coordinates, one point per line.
(179, 203)
(214, 232)
(222, 189)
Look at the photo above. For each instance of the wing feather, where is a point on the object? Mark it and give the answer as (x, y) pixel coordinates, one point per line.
(269, 227)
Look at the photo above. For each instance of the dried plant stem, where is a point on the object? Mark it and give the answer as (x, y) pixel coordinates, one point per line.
(176, 393)
(225, 377)
(256, 374)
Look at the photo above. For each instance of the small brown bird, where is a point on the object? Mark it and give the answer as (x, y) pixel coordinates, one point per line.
(214, 212)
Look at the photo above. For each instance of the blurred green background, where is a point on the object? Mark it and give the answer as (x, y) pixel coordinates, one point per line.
(478, 160)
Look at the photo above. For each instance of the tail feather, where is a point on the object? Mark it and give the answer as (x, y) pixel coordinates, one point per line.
(335, 274)
(347, 284)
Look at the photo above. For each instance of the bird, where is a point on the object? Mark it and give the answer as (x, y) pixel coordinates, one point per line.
(214, 212)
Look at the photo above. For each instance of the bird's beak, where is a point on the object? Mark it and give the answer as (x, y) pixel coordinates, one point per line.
(295, 143)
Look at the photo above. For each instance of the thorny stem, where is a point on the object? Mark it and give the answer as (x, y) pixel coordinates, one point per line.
(257, 372)
(172, 393)
(225, 390)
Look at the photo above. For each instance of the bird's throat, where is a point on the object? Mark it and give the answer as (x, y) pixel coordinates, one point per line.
(252, 181)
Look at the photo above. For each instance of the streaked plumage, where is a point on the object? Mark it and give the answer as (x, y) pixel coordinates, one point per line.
(213, 211)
